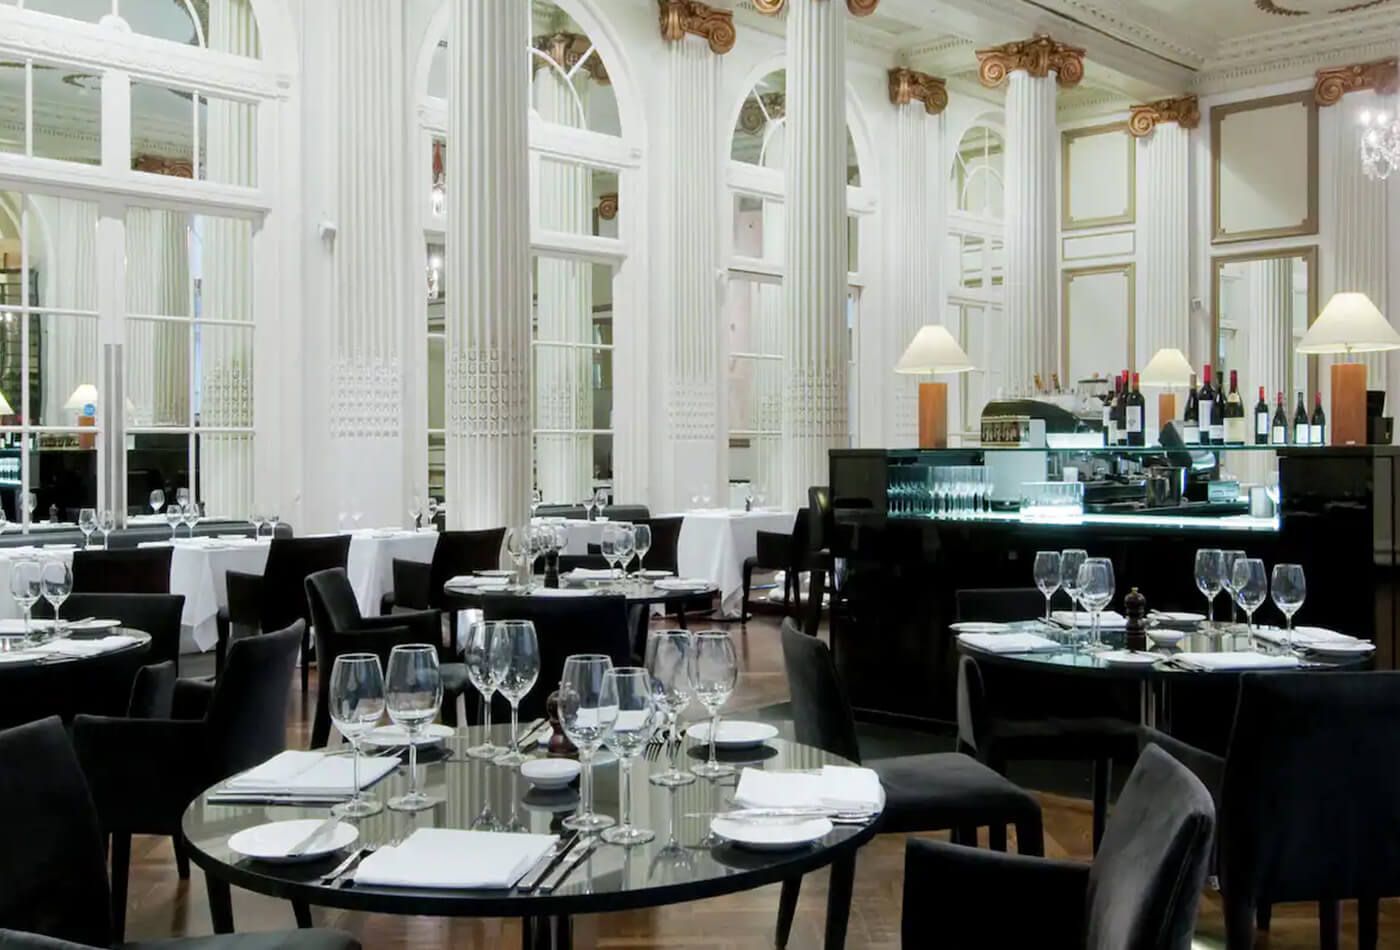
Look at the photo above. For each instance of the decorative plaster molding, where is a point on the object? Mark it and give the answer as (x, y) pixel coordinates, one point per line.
(607, 206)
(775, 7)
(1185, 111)
(368, 394)
(679, 17)
(753, 117)
(568, 50)
(1038, 57)
(1272, 6)
(907, 86)
(163, 165)
(1382, 75)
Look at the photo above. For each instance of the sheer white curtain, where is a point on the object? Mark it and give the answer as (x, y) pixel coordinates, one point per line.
(63, 248)
(157, 283)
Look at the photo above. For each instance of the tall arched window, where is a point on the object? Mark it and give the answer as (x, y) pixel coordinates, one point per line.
(975, 246)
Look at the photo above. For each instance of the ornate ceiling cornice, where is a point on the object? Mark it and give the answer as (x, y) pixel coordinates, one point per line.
(568, 49)
(1038, 57)
(679, 17)
(1185, 111)
(1382, 76)
(775, 7)
(907, 85)
(1282, 9)
(607, 206)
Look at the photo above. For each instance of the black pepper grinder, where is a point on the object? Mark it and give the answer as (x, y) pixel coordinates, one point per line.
(1135, 609)
(559, 744)
(551, 569)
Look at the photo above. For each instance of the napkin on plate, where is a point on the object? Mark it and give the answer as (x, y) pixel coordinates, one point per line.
(1108, 620)
(591, 574)
(450, 858)
(85, 647)
(295, 772)
(835, 788)
(681, 583)
(1237, 660)
(1303, 636)
(1009, 642)
(562, 592)
(471, 580)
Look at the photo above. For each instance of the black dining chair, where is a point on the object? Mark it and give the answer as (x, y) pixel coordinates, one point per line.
(54, 893)
(776, 551)
(277, 597)
(418, 585)
(665, 543)
(340, 628)
(144, 772)
(1309, 798)
(156, 614)
(1141, 891)
(929, 792)
(122, 571)
(1007, 715)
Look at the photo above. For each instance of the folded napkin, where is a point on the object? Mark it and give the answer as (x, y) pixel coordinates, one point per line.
(295, 772)
(1237, 660)
(1108, 620)
(471, 580)
(1303, 636)
(155, 544)
(11, 627)
(1009, 642)
(835, 788)
(591, 574)
(85, 647)
(18, 656)
(449, 858)
(562, 592)
(681, 583)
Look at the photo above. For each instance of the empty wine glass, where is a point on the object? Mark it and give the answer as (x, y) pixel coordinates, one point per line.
(641, 543)
(1095, 590)
(272, 521)
(191, 515)
(173, 517)
(413, 695)
(485, 676)
(668, 663)
(107, 523)
(1289, 589)
(1071, 560)
(536, 499)
(1251, 587)
(356, 703)
(714, 672)
(636, 717)
(607, 544)
(587, 506)
(87, 524)
(518, 547)
(182, 497)
(1228, 560)
(623, 544)
(1047, 576)
(157, 501)
(600, 500)
(587, 709)
(415, 514)
(515, 654)
(56, 577)
(26, 587)
(258, 519)
(1208, 578)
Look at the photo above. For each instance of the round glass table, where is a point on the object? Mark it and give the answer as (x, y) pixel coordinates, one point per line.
(682, 863)
(64, 678)
(638, 591)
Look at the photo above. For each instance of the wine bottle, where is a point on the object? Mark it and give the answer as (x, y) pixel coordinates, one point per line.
(1302, 429)
(1109, 436)
(1123, 411)
(1234, 412)
(1217, 414)
(1261, 419)
(1136, 408)
(1190, 419)
(1318, 429)
(1278, 431)
(1205, 405)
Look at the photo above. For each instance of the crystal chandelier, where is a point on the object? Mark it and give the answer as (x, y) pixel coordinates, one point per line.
(1380, 143)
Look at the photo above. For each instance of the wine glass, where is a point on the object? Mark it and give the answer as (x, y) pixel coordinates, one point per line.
(258, 519)
(1071, 560)
(432, 510)
(357, 514)
(1289, 589)
(1251, 587)
(607, 544)
(356, 703)
(1047, 576)
(636, 717)
(714, 672)
(56, 578)
(485, 677)
(624, 543)
(413, 695)
(536, 499)
(173, 517)
(1096, 590)
(272, 521)
(587, 709)
(415, 514)
(106, 523)
(26, 587)
(515, 655)
(1227, 578)
(31, 501)
(87, 524)
(1208, 578)
(641, 543)
(192, 515)
(600, 500)
(182, 497)
(518, 547)
(587, 506)
(157, 500)
(668, 663)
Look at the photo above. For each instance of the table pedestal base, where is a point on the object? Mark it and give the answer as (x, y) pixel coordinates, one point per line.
(546, 933)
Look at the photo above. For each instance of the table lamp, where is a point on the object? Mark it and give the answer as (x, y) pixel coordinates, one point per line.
(1350, 323)
(5, 408)
(1167, 368)
(84, 401)
(933, 352)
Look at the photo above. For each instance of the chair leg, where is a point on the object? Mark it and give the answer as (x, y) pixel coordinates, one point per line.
(305, 660)
(1367, 923)
(1329, 924)
(1030, 834)
(838, 901)
(1263, 916)
(965, 835)
(787, 909)
(996, 836)
(301, 910)
(1239, 924)
(1103, 777)
(744, 604)
(449, 709)
(815, 591)
(121, 869)
(182, 857)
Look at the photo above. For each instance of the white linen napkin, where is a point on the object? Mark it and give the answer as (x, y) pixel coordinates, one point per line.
(591, 574)
(1237, 660)
(835, 788)
(562, 592)
(471, 580)
(1302, 636)
(1108, 620)
(296, 772)
(681, 583)
(450, 858)
(85, 647)
(1009, 642)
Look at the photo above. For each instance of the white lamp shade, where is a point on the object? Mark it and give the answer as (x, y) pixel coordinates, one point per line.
(5, 409)
(84, 395)
(1349, 323)
(1168, 367)
(933, 350)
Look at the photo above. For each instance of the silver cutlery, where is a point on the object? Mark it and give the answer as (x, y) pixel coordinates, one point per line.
(324, 828)
(580, 851)
(788, 815)
(272, 798)
(351, 860)
(547, 863)
(528, 738)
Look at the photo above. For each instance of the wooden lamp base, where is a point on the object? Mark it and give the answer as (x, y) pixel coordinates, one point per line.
(1166, 408)
(1348, 418)
(933, 415)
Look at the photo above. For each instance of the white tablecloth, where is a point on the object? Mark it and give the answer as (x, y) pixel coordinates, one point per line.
(582, 534)
(714, 543)
(371, 562)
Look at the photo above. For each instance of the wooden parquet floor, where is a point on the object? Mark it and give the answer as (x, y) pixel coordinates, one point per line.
(161, 905)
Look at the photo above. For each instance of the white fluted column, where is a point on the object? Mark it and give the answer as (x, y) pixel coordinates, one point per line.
(815, 406)
(1163, 238)
(1270, 283)
(1032, 229)
(488, 247)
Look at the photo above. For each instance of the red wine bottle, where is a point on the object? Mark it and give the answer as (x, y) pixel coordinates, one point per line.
(1136, 410)
(1205, 402)
(1191, 418)
(1261, 420)
(1302, 428)
(1318, 429)
(1278, 432)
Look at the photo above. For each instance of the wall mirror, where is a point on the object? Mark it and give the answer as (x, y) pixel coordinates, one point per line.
(1259, 190)
(1264, 302)
(1097, 321)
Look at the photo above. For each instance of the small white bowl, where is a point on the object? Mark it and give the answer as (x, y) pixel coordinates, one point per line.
(1165, 636)
(550, 773)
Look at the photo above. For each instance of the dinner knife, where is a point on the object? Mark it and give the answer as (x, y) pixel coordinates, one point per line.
(547, 863)
(304, 845)
(582, 850)
(528, 738)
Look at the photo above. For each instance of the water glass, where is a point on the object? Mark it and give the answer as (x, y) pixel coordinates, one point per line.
(515, 655)
(1227, 578)
(1251, 587)
(607, 543)
(624, 544)
(668, 663)
(1096, 591)
(587, 709)
(518, 547)
(157, 501)
(87, 524)
(173, 517)
(356, 703)
(106, 523)
(636, 718)
(485, 677)
(413, 696)
(641, 543)
(1289, 589)
(26, 587)
(600, 500)
(191, 514)
(1047, 576)
(56, 577)
(714, 672)
(1071, 560)
(1208, 577)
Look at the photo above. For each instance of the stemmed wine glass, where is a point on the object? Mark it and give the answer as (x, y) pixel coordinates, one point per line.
(600, 500)
(157, 500)
(515, 655)
(258, 519)
(587, 709)
(272, 520)
(607, 544)
(173, 517)
(518, 547)
(668, 663)
(587, 506)
(182, 497)
(1228, 559)
(485, 676)
(1071, 560)
(624, 544)
(26, 587)
(1096, 590)
(57, 579)
(1251, 587)
(641, 543)
(1047, 576)
(1289, 589)
(87, 524)
(107, 523)
(636, 717)
(191, 515)
(536, 499)
(413, 695)
(714, 672)
(1208, 575)
(31, 501)
(356, 703)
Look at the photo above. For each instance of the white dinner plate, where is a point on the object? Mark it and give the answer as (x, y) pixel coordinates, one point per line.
(734, 733)
(549, 774)
(385, 737)
(778, 835)
(978, 626)
(98, 624)
(1339, 647)
(494, 572)
(272, 841)
(1128, 658)
(1178, 616)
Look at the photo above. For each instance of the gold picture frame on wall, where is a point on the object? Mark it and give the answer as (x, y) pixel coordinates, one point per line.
(1067, 278)
(1303, 180)
(1308, 254)
(1067, 139)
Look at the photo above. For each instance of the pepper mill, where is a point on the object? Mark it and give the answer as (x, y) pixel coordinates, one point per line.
(559, 744)
(1135, 609)
(551, 569)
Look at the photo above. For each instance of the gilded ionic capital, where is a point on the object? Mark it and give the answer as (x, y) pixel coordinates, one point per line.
(907, 85)
(679, 17)
(1380, 76)
(1036, 56)
(1185, 111)
(857, 7)
(568, 49)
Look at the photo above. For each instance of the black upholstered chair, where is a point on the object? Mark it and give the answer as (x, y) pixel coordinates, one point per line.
(53, 882)
(122, 571)
(155, 614)
(776, 551)
(564, 626)
(1309, 798)
(418, 586)
(931, 792)
(144, 772)
(665, 542)
(341, 629)
(1141, 891)
(1005, 715)
(153, 692)
(277, 597)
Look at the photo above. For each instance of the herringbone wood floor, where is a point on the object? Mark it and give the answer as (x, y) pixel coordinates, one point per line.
(162, 905)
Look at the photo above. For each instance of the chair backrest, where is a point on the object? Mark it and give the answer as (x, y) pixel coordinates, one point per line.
(289, 562)
(801, 539)
(1000, 604)
(153, 692)
(1147, 877)
(461, 552)
(821, 713)
(122, 571)
(821, 517)
(247, 719)
(331, 598)
(1310, 801)
(53, 875)
(156, 614)
(564, 626)
(972, 703)
(665, 541)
